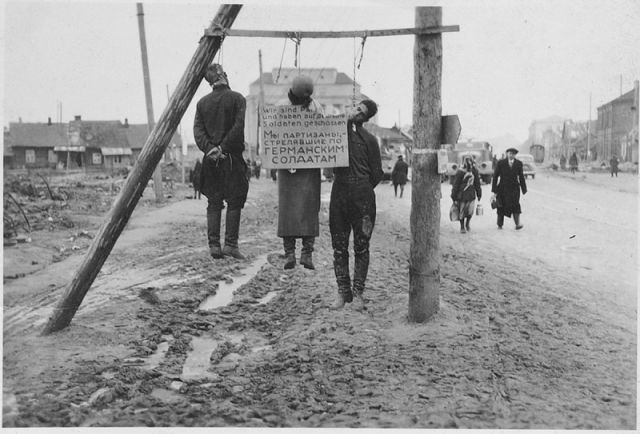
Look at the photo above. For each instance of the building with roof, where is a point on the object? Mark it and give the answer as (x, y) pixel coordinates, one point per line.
(617, 128)
(80, 144)
(548, 133)
(335, 91)
(33, 144)
(393, 142)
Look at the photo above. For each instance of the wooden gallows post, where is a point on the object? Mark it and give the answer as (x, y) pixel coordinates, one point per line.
(424, 261)
(137, 180)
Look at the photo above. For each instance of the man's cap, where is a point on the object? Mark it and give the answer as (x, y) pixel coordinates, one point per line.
(514, 150)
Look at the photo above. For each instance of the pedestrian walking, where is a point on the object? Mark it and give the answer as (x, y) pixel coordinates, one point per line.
(613, 163)
(195, 177)
(219, 132)
(299, 191)
(466, 187)
(353, 205)
(563, 162)
(508, 180)
(573, 163)
(399, 175)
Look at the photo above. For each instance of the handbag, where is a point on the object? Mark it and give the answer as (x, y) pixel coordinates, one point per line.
(454, 212)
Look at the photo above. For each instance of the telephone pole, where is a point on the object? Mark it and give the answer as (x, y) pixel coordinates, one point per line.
(424, 250)
(157, 175)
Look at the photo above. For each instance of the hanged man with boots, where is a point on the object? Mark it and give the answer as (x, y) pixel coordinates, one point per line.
(219, 132)
(353, 206)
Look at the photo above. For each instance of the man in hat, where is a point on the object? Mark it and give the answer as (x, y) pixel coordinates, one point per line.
(299, 191)
(508, 180)
(219, 132)
(399, 175)
(353, 205)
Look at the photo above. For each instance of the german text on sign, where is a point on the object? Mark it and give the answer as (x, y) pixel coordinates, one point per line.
(295, 138)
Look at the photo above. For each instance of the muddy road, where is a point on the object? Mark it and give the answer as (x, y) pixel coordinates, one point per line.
(536, 328)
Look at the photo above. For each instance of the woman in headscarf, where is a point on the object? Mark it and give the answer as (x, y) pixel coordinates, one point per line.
(466, 187)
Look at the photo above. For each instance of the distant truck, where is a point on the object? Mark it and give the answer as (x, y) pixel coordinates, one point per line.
(538, 153)
(481, 152)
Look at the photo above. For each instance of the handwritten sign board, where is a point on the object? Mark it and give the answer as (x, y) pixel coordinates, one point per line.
(294, 138)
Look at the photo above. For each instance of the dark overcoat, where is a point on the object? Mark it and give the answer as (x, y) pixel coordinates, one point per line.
(219, 121)
(299, 197)
(507, 183)
(399, 173)
(460, 192)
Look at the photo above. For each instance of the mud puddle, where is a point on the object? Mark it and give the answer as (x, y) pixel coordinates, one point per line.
(226, 289)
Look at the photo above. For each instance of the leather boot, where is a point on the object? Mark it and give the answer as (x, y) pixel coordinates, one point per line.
(213, 233)
(516, 219)
(231, 234)
(500, 220)
(306, 259)
(358, 291)
(289, 244)
(344, 285)
(467, 223)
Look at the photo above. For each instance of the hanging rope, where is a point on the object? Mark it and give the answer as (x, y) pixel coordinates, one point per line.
(364, 39)
(353, 97)
(296, 59)
(281, 59)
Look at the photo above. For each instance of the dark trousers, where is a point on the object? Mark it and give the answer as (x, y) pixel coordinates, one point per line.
(352, 208)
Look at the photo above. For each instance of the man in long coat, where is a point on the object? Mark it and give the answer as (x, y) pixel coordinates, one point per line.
(508, 180)
(299, 191)
(219, 132)
(399, 175)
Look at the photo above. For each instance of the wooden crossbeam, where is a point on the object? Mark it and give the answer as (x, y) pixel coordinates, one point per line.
(330, 34)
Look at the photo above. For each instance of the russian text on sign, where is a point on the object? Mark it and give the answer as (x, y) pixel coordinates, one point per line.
(295, 138)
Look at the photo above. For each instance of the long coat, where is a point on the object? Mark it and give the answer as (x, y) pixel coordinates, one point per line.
(299, 197)
(399, 173)
(219, 121)
(507, 183)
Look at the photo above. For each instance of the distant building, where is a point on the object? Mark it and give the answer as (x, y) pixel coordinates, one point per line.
(393, 142)
(80, 144)
(580, 138)
(333, 90)
(617, 128)
(33, 144)
(548, 133)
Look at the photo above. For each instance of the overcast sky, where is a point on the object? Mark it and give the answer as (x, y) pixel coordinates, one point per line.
(512, 61)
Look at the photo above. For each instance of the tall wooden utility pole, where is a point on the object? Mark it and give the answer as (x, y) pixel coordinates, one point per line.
(157, 175)
(137, 180)
(424, 262)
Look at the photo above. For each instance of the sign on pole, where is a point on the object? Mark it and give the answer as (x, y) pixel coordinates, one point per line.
(295, 138)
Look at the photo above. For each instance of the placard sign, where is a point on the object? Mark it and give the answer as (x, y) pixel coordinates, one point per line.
(294, 138)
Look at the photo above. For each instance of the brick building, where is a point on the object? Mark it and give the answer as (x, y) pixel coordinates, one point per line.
(617, 128)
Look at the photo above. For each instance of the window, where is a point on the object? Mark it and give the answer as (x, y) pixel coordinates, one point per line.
(117, 159)
(96, 158)
(30, 155)
(52, 157)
